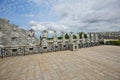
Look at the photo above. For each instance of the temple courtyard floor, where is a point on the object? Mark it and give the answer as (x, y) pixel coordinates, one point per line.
(94, 63)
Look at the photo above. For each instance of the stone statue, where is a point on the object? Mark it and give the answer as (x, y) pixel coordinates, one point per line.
(72, 46)
(63, 38)
(45, 34)
(55, 43)
(83, 38)
(1, 36)
(31, 33)
(15, 37)
(31, 39)
(1, 44)
(63, 46)
(88, 38)
(44, 41)
(71, 37)
(78, 38)
(92, 37)
(54, 37)
(96, 37)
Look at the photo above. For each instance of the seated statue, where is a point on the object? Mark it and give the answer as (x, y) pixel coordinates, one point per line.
(31, 33)
(30, 37)
(45, 34)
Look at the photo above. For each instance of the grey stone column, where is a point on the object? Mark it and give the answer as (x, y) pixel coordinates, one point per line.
(63, 44)
(44, 42)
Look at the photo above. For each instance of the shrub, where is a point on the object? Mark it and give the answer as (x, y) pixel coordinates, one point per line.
(113, 43)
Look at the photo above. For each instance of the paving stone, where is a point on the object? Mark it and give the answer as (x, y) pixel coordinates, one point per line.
(94, 63)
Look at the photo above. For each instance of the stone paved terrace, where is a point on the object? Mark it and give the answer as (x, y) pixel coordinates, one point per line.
(94, 63)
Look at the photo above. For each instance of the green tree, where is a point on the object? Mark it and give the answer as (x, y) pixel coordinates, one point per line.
(74, 36)
(60, 37)
(49, 38)
(80, 34)
(85, 35)
(66, 36)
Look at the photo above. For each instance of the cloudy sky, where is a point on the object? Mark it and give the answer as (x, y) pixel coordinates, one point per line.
(63, 15)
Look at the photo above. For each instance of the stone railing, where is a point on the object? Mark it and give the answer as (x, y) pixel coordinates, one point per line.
(48, 45)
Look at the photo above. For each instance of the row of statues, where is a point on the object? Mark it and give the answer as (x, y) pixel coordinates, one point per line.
(46, 45)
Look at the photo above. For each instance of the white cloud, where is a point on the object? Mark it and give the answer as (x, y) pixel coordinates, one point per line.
(50, 26)
(37, 26)
(90, 15)
(82, 15)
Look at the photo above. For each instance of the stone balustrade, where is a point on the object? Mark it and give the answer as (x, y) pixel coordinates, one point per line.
(46, 45)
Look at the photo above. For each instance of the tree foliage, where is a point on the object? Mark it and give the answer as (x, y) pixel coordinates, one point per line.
(80, 34)
(60, 37)
(113, 42)
(66, 36)
(74, 36)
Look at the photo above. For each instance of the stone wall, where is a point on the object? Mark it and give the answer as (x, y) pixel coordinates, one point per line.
(7, 28)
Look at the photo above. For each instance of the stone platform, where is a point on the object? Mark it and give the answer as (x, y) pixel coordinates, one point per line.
(93, 63)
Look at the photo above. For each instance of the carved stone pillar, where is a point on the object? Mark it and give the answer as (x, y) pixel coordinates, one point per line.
(72, 46)
(44, 42)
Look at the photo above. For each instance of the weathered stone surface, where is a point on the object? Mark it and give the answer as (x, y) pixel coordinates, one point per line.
(7, 30)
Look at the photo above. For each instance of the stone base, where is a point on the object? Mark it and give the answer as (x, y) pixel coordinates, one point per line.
(30, 49)
(63, 46)
(73, 47)
(45, 49)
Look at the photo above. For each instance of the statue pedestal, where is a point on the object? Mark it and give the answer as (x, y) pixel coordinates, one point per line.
(44, 45)
(55, 46)
(88, 43)
(45, 49)
(63, 46)
(30, 49)
(1, 50)
(73, 47)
